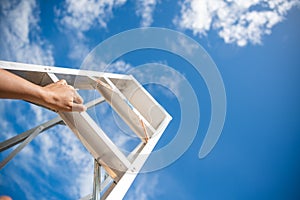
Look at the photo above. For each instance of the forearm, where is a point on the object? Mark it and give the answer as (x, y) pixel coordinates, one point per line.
(57, 96)
(15, 87)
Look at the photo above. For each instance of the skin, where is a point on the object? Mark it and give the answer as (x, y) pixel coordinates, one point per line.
(58, 96)
(5, 198)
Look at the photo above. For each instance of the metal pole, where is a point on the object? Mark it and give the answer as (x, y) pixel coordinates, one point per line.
(21, 146)
(97, 180)
(23, 136)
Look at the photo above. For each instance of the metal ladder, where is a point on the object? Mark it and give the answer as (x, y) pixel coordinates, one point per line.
(113, 171)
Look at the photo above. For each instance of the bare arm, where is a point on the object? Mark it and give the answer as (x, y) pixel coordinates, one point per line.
(57, 96)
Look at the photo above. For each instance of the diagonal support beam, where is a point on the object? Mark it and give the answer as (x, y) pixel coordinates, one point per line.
(23, 136)
(21, 146)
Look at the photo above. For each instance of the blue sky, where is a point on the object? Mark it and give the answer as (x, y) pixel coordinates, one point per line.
(255, 45)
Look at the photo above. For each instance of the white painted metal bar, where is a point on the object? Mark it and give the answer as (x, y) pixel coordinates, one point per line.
(21, 146)
(126, 110)
(57, 70)
(97, 181)
(125, 182)
(141, 117)
(107, 180)
(21, 137)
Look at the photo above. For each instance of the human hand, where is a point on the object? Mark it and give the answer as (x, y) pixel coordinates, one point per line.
(60, 96)
(57, 96)
(5, 198)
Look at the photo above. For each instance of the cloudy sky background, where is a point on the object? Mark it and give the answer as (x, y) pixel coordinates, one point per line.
(255, 45)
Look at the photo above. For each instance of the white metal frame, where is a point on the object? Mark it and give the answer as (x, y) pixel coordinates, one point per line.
(127, 97)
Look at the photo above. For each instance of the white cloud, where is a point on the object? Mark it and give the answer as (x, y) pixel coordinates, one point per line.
(146, 187)
(145, 10)
(20, 40)
(41, 114)
(76, 17)
(119, 67)
(5, 126)
(79, 48)
(158, 73)
(83, 15)
(161, 74)
(240, 22)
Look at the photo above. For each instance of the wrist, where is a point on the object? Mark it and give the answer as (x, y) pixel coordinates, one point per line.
(42, 94)
(37, 95)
